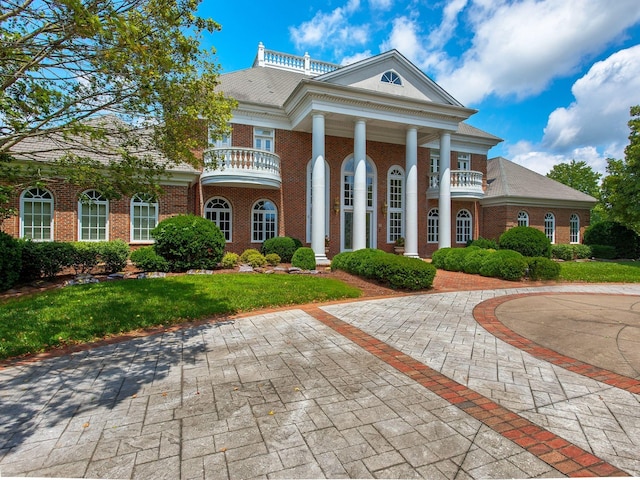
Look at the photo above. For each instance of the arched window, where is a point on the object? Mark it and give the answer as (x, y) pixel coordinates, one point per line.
(463, 226)
(433, 226)
(574, 228)
(550, 227)
(264, 224)
(218, 210)
(36, 215)
(523, 219)
(391, 77)
(144, 217)
(93, 216)
(327, 199)
(395, 204)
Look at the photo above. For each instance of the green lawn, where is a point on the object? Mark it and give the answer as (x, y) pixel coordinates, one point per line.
(595, 272)
(88, 312)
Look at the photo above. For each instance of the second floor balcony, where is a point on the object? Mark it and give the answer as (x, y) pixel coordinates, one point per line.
(241, 167)
(464, 184)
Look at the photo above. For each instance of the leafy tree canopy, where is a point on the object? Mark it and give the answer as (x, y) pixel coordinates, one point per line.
(577, 175)
(621, 187)
(106, 88)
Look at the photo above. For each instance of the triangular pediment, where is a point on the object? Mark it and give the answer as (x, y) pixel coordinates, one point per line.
(390, 73)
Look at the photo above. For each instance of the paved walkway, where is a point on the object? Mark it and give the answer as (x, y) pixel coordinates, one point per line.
(422, 386)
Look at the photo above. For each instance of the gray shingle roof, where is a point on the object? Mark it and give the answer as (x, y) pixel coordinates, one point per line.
(262, 85)
(508, 179)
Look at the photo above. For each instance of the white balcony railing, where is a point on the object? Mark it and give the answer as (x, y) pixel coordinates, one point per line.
(464, 183)
(295, 63)
(241, 167)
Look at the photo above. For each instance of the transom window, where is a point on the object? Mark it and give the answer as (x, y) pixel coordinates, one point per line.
(464, 161)
(433, 226)
(263, 139)
(550, 227)
(36, 215)
(144, 217)
(395, 204)
(574, 228)
(265, 221)
(523, 219)
(93, 215)
(391, 77)
(218, 211)
(463, 226)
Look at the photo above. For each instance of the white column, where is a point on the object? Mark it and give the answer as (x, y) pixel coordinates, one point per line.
(318, 210)
(444, 198)
(360, 186)
(411, 197)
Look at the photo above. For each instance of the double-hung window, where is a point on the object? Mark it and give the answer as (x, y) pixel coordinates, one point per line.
(263, 139)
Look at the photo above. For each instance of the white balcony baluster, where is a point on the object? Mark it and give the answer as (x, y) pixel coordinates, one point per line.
(240, 167)
(464, 183)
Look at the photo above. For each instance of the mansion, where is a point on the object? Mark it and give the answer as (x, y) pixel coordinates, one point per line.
(340, 157)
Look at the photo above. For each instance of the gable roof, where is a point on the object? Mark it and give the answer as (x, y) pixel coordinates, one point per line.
(510, 183)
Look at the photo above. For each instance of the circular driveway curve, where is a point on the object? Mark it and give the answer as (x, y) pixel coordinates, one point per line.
(603, 330)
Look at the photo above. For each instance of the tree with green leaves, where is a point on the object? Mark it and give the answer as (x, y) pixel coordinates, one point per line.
(621, 187)
(577, 175)
(107, 93)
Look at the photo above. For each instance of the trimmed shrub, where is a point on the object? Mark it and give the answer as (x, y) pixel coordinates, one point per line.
(189, 241)
(244, 258)
(542, 268)
(85, 256)
(230, 260)
(44, 259)
(304, 258)
(625, 241)
(31, 261)
(606, 252)
(285, 247)
(527, 241)
(485, 243)
(146, 259)
(272, 259)
(475, 259)
(438, 257)
(10, 261)
(562, 252)
(114, 255)
(256, 260)
(506, 264)
(455, 259)
(395, 270)
(581, 251)
(298, 243)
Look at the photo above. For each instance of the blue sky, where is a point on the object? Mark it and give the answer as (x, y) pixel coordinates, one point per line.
(553, 78)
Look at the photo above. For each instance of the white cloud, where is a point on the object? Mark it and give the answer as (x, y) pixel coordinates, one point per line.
(356, 57)
(519, 47)
(380, 4)
(330, 29)
(532, 157)
(600, 112)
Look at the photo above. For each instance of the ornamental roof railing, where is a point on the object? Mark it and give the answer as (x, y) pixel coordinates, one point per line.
(293, 63)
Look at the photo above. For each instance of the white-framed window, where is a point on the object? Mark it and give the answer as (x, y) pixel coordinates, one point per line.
(36, 215)
(93, 217)
(574, 228)
(327, 199)
(395, 203)
(222, 142)
(550, 227)
(391, 77)
(263, 139)
(264, 224)
(346, 211)
(523, 219)
(433, 226)
(464, 231)
(144, 217)
(434, 168)
(464, 161)
(218, 210)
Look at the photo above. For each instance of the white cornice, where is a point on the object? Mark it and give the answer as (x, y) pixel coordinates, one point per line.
(504, 200)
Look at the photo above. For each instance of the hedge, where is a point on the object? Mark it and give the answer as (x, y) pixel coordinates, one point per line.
(625, 241)
(506, 264)
(542, 268)
(10, 261)
(146, 259)
(394, 270)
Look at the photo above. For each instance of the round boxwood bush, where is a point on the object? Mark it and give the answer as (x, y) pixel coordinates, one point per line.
(475, 259)
(304, 258)
(256, 260)
(439, 256)
(189, 241)
(506, 264)
(147, 260)
(485, 243)
(272, 259)
(624, 240)
(542, 268)
(230, 260)
(285, 247)
(455, 259)
(244, 257)
(10, 261)
(562, 251)
(527, 241)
